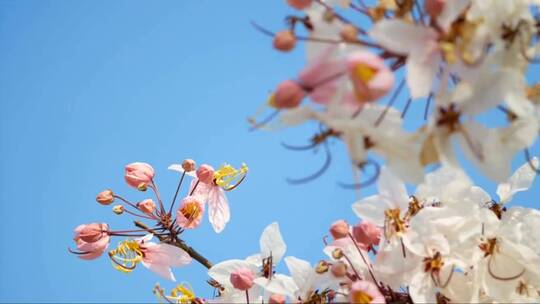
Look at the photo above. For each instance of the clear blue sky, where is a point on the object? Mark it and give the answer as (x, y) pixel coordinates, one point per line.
(89, 86)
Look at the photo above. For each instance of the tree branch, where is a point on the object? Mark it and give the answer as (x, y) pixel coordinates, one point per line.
(178, 243)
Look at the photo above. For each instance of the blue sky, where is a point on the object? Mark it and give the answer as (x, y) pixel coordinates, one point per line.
(87, 87)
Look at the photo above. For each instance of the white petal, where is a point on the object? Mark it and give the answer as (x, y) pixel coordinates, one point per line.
(452, 9)
(421, 71)
(279, 284)
(172, 255)
(372, 209)
(162, 270)
(178, 168)
(218, 209)
(521, 180)
(272, 243)
(392, 188)
(300, 270)
(400, 37)
(222, 272)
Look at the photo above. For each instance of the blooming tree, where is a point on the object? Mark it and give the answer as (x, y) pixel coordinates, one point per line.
(449, 241)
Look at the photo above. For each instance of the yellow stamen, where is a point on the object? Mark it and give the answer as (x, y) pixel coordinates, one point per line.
(182, 294)
(126, 256)
(364, 73)
(227, 177)
(191, 210)
(360, 297)
(272, 100)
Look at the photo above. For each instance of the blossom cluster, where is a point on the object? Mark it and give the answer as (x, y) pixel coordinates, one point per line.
(448, 241)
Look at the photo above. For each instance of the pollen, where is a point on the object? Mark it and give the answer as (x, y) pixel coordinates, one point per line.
(361, 297)
(191, 210)
(394, 225)
(433, 264)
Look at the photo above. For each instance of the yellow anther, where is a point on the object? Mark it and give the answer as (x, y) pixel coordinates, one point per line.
(126, 256)
(228, 178)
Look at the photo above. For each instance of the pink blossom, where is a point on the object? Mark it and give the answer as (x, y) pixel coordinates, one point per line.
(242, 279)
(218, 205)
(91, 240)
(205, 174)
(105, 197)
(190, 212)
(276, 299)
(159, 258)
(365, 292)
(367, 234)
(139, 174)
(147, 206)
(370, 77)
(319, 78)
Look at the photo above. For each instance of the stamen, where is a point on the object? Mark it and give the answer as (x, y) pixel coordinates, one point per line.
(500, 278)
(369, 181)
(529, 160)
(404, 112)
(390, 103)
(428, 103)
(227, 174)
(177, 190)
(318, 173)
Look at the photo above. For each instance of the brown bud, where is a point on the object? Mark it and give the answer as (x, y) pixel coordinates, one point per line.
(349, 33)
(337, 253)
(322, 267)
(284, 41)
(118, 209)
(339, 269)
(188, 165)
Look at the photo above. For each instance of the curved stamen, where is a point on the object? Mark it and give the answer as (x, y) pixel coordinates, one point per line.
(318, 173)
(120, 265)
(237, 183)
(529, 160)
(390, 103)
(490, 271)
(78, 252)
(449, 277)
(262, 123)
(299, 148)
(368, 182)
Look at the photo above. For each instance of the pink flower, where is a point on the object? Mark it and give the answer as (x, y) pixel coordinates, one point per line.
(319, 78)
(339, 229)
(205, 174)
(190, 212)
(159, 258)
(242, 279)
(367, 235)
(91, 240)
(365, 292)
(147, 206)
(218, 205)
(139, 174)
(369, 75)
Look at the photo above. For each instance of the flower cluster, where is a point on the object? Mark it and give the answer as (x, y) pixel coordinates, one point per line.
(460, 59)
(207, 189)
(449, 241)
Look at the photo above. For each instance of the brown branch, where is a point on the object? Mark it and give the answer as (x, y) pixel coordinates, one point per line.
(178, 243)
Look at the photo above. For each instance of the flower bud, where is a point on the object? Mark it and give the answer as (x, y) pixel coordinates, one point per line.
(322, 267)
(299, 4)
(367, 235)
(91, 232)
(434, 7)
(284, 41)
(276, 299)
(118, 209)
(105, 197)
(188, 165)
(339, 269)
(205, 174)
(138, 175)
(339, 229)
(337, 253)
(91, 240)
(147, 206)
(242, 279)
(288, 95)
(349, 33)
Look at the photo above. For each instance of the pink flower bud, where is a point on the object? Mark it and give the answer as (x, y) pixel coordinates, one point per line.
(339, 269)
(188, 165)
(434, 7)
(138, 175)
(367, 235)
(276, 299)
(205, 174)
(289, 94)
(105, 197)
(299, 4)
(339, 229)
(284, 41)
(91, 240)
(365, 292)
(242, 279)
(147, 206)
